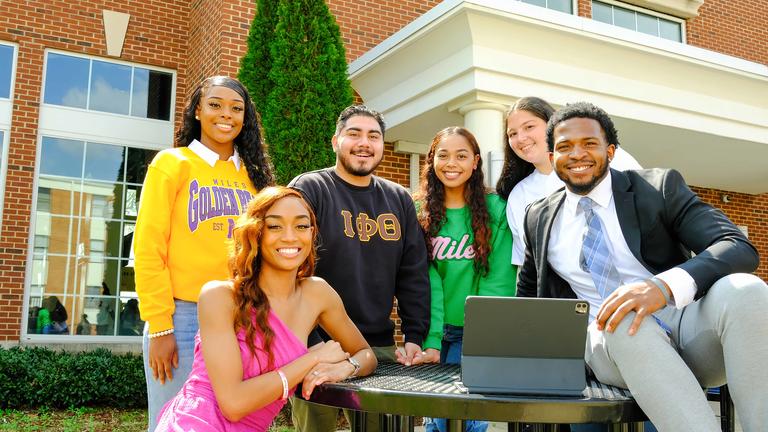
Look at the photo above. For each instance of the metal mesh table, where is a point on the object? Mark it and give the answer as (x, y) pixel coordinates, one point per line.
(434, 390)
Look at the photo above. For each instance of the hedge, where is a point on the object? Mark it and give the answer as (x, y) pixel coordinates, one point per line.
(40, 377)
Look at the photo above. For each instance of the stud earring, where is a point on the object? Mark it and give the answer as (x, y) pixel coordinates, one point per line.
(197, 117)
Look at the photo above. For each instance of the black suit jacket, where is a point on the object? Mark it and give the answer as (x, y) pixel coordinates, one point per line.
(662, 221)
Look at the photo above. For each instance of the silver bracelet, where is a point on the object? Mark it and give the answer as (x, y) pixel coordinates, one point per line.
(664, 290)
(160, 333)
(284, 380)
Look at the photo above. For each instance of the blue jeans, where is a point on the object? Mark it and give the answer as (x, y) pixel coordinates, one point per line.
(450, 353)
(185, 328)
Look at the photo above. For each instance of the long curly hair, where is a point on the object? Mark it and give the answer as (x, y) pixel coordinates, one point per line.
(249, 142)
(431, 197)
(245, 264)
(515, 168)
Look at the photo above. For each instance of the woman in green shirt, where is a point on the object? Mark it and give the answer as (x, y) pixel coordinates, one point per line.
(468, 240)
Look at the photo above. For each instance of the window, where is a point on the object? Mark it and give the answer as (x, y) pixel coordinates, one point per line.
(636, 20)
(6, 70)
(7, 61)
(85, 214)
(97, 85)
(558, 5)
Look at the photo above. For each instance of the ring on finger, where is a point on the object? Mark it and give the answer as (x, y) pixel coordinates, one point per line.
(315, 373)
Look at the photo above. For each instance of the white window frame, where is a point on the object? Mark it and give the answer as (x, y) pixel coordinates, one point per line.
(6, 110)
(91, 126)
(627, 6)
(574, 6)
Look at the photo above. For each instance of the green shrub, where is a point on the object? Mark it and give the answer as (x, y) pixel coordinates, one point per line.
(39, 377)
(299, 85)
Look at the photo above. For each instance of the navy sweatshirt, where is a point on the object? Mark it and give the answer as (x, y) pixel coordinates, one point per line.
(371, 250)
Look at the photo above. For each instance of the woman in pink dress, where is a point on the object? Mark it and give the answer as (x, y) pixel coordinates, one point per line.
(251, 350)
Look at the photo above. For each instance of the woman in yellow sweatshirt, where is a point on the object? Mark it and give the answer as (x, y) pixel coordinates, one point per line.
(191, 198)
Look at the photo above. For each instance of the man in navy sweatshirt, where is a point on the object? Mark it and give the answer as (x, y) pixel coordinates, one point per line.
(370, 249)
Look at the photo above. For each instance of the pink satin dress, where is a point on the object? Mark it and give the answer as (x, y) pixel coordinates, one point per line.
(194, 408)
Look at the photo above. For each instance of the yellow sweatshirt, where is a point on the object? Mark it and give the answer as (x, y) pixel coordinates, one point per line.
(188, 209)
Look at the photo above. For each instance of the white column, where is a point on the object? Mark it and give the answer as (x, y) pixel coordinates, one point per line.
(414, 172)
(486, 121)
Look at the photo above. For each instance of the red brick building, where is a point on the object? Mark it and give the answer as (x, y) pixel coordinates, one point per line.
(89, 91)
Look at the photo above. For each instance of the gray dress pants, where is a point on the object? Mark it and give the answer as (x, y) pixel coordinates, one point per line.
(724, 334)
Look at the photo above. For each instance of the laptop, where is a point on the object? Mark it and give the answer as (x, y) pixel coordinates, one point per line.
(530, 346)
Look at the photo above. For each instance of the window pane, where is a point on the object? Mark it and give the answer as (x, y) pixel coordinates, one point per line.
(128, 229)
(104, 162)
(127, 284)
(61, 157)
(110, 87)
(105, 200)
(624, 18)
(61, 233)
(138, 161)
(151, 94)
(602, 12)
(100, 238)
(647, 24)
(561, 5)
(38, 278)
(670, 30)
(66, 81)
(140, 92)
(51, 315)
(542, 3)
(6, 68)
(130, 321)
(106, 315)
(132, 196)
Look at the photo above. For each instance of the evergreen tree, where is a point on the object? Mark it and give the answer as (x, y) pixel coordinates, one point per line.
(256, 63)
(309, 90)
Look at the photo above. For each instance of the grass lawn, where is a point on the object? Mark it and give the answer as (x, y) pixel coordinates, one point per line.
(85, 420)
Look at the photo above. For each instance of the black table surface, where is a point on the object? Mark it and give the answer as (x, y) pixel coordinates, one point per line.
(434, 390)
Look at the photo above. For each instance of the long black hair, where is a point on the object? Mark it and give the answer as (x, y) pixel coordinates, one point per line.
(515, 168)
(249, 142)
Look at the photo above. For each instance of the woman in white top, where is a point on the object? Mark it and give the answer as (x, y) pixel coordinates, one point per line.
(527, 174)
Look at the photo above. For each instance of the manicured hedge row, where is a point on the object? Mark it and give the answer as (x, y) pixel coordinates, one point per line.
(37, 377)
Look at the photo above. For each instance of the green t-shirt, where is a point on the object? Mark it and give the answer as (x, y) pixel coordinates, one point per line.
(452, 273)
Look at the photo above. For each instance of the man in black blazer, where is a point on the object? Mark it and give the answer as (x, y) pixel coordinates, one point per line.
(673, 308)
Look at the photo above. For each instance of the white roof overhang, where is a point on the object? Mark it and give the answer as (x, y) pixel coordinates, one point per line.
(675, 105)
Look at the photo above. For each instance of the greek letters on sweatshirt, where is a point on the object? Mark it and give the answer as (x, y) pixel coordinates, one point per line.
(452, 274)
(187, 212)
(371, 250)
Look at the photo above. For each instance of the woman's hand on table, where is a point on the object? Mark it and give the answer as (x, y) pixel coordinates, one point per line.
(326, 372)
(431, 355)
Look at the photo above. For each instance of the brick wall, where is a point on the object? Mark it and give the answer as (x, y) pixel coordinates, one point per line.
(744, 210)
(734, 27)
(153, 39)
(217, 33)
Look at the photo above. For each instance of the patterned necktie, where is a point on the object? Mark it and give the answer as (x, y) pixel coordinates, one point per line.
(595, 257)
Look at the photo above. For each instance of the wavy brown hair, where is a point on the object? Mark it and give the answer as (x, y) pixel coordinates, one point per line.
(432, 200)
(245, 264)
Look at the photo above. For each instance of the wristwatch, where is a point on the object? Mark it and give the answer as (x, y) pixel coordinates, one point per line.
(353, 361)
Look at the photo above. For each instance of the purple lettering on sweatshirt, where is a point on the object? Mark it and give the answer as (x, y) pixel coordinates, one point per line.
(192, 209)
(208, 202)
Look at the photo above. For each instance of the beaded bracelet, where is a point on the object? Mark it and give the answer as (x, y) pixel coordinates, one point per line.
(160, 333)
(285, 384)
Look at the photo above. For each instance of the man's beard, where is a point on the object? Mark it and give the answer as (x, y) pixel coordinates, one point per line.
(359, 171)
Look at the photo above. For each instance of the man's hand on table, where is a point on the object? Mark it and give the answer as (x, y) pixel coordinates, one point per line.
(410, 355)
